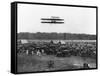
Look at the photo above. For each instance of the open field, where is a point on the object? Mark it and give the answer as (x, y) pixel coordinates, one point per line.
(34, 63)
(69, 55)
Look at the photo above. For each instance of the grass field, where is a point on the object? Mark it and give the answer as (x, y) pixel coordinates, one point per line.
(34, 63)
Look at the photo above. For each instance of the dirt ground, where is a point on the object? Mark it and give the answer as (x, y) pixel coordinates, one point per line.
(34, 63)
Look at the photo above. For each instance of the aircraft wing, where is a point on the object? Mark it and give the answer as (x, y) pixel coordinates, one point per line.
(51, 19)
(53, 22)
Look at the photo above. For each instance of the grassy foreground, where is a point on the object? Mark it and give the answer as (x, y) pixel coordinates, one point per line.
(34, 63)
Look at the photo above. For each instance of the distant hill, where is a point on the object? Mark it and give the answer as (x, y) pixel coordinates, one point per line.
(55, 36)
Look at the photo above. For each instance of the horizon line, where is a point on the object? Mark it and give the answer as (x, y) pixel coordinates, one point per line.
(58, 33)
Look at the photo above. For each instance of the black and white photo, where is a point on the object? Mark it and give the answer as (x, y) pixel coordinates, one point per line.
(55, 37)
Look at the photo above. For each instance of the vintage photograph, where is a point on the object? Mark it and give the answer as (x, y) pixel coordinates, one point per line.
(55, 38)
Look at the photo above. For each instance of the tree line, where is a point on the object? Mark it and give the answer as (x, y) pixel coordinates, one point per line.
(55, 36)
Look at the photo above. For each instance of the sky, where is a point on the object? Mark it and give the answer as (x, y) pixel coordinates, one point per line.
(76, 19)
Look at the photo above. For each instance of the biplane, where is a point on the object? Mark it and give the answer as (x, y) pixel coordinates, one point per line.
(52, 20)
